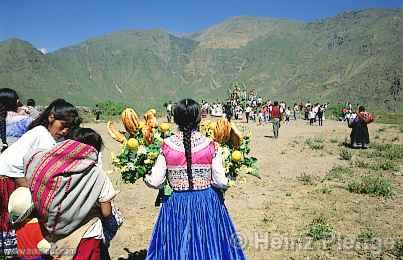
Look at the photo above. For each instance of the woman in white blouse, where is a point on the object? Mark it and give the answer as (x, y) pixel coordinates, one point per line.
(43, 133)
(194, 222)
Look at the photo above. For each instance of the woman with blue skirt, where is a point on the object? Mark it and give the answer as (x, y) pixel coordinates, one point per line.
(193, 222)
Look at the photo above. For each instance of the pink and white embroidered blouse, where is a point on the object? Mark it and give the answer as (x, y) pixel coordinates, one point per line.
(207, 165)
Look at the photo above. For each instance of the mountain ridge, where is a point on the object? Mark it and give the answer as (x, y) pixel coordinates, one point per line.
(351, 56)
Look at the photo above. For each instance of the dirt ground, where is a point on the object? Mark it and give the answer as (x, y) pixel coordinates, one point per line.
(272, 214)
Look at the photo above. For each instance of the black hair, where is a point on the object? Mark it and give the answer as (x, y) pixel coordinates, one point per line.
(8, 102)
(187, 116)
(86, 136)
(31, 102)
(276, 103)
(361, 109)
(61, 110)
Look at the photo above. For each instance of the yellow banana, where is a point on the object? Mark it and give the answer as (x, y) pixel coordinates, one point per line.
(150, 119)
(148, 134)
(235, 136)
(114, 133)
(222, 131)
(130, 120)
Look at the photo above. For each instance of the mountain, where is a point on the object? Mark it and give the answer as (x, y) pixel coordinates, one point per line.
(353, 56)
(239, 31)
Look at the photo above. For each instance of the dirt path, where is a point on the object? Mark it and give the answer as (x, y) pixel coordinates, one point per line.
(276, 208)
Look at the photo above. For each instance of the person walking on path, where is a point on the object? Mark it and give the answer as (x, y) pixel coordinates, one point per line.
(276, 118)
(247, 113)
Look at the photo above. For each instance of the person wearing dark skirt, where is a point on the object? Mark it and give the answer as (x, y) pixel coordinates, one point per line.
(320, 115)
(359, 130)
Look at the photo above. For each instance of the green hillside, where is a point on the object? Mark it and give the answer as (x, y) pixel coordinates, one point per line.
(353, 56)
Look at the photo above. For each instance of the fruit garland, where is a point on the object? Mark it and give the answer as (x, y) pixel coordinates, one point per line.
(140, 144)
(234, 148)
(142, 141)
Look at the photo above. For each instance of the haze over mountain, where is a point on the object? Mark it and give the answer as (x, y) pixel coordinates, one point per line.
(352, 56)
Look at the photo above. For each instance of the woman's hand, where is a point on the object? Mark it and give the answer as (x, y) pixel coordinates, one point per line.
(21, 182)
(106, 209)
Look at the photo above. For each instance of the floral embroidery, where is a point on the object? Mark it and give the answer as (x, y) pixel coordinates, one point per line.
(178, 177)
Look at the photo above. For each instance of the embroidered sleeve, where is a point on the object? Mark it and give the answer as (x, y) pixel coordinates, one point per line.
(158, 172)
(219, 180)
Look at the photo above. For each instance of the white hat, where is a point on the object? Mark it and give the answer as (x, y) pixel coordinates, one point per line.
(20, 205)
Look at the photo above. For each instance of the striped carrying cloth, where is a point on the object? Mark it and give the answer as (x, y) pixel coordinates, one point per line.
(65, 184)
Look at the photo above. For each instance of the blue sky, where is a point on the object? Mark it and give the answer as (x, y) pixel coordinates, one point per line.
(53, 24)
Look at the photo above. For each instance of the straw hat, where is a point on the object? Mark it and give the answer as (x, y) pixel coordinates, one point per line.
(20, 205)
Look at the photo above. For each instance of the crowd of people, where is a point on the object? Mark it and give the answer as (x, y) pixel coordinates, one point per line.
(54, 193)
(248, 106)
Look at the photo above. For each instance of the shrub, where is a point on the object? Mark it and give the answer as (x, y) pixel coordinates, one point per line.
(325, 190)
(366, 236)
(111, 108)
(306, 179)
(338, 173)
(372, 185)
(387, 151)
(361, 164)
(315, 143)
(320, 229)
(387, 165)
(345, 154)
(397, 249)
(333, 140)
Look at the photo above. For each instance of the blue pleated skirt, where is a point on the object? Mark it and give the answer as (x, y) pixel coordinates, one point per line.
(194, 225)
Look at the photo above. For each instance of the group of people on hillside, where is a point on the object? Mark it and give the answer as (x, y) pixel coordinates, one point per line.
(56, 200)
(262, 112)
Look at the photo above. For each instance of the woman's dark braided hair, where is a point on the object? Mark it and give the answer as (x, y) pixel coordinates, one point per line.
(8, 102)
(61, 110)
(187, 116)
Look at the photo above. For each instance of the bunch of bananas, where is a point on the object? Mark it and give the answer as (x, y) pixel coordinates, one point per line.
(132, 125)
(150, 124)
(130, 121)
(114, 133)
(235, 136)
(150, 118)
(224, 131)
